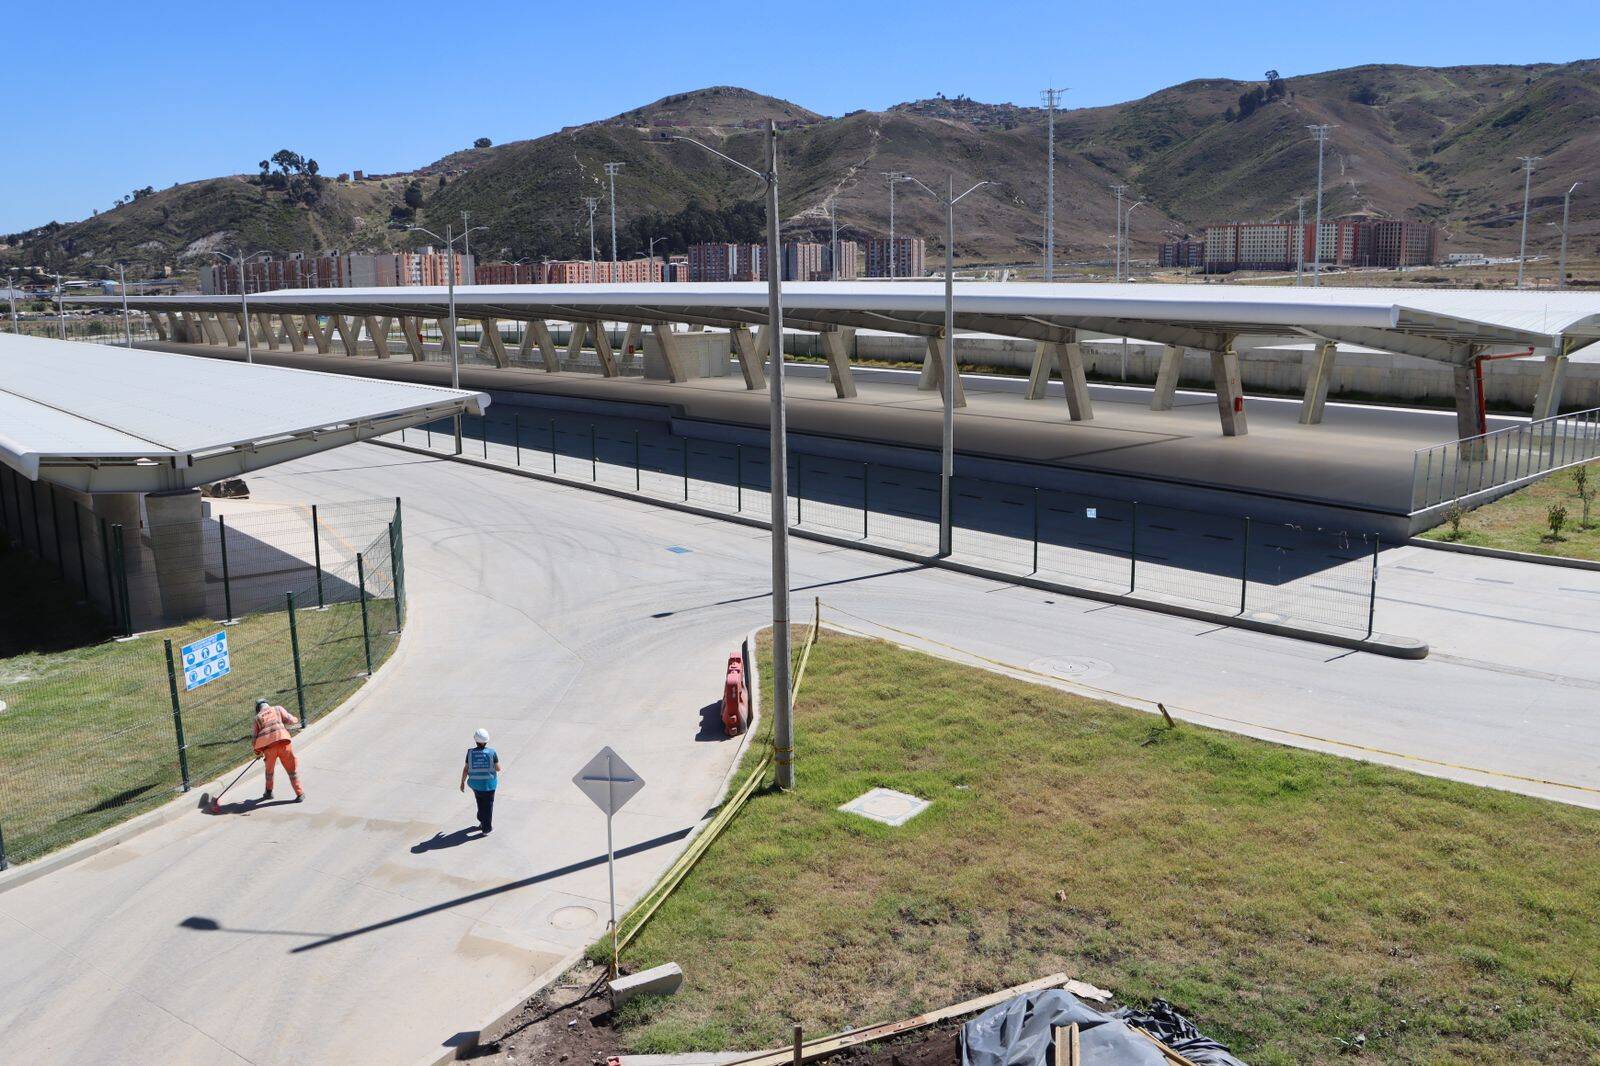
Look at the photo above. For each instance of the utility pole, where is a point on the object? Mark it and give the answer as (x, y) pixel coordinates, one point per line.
(591, 202)
(1127, 243)
(1051, 97)
(1300, 240)
(611, 177)
(895, 177)
(1119, 189)
(1566, 212)
(1528, 162)
(11, 292)
(127, 322)
(466, 232)
(1320, 132)
(832, 239)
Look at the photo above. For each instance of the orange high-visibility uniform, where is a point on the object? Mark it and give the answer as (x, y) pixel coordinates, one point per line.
(272, 743)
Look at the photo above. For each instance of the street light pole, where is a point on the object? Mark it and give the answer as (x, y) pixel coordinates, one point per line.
(833, 237)
(895, 177)
(1051, 98)
(783, 709)
(591, 202)
(61, 312)
(1527, 183)
(1320, 132)
(1300, 240)
(947, 435)
(127, 324)
(1127, 244)
(1118, 189)
(1566, 212)
(11, 293)
(449, 240)
(611, 177)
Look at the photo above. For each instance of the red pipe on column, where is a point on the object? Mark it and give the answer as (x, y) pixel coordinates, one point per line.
(1477, 383)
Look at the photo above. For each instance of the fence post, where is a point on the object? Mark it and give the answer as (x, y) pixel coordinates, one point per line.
(1244, 566)
(685, 468)
(5, 499)
(866, 498)
(799, 489)
(122, 579)
(738, 478)
(483, 434)
(553, 468)
(366, 630)
(636, 487)
(294, 648)
(428, 429)
(1372, 594)
(177, 717)
(516, 435)
(316, 553)
(1133, 548)
(594, 460)
(111, 581)
(4, 865)
(399, 583)
(227, 579)
(1036, 529)
(33, 504)
(77, 536)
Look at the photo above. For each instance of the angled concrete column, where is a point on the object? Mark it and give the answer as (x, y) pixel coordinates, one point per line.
(935, 359)
(177, 540)
(413, 335)
(321, 335)
(1167, 378)
(293, 332)
(229, 324)
(751, 353)
(836, 349)
(349, 333)
(1230, 393)
(671, 352)
(268, 334)
(633, 340)
(540, 330)
(216, 333)
(928, 380)
(162, 333)
(1038, 374)
(492, 342)
(188, 328)
(602, 349)
(1552, 376)
(575, 340)
(1069, 362)
(378, 330)
(1467, 400)
(525, 346)
(177, 326)
(1319, 375)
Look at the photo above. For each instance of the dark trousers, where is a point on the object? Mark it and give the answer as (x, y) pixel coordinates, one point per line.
(485, 809)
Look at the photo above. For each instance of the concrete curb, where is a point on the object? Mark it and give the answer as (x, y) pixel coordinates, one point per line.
(507, 1008)
(1504, 553)
(181, 804)
(1378, 644)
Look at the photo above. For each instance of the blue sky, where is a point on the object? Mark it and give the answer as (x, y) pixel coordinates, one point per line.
(103, 99)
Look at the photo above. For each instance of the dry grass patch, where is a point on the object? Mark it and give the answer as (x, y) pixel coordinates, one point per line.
(1520, 521)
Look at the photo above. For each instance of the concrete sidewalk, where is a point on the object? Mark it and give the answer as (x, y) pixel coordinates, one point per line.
(369, 924)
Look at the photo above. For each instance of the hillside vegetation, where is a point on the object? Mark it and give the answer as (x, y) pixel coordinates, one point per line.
(1435, 143)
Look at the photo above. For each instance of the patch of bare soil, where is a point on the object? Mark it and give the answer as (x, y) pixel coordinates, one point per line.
(568, 1024)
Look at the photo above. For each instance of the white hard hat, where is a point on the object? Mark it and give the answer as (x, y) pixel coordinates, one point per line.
(481, 736)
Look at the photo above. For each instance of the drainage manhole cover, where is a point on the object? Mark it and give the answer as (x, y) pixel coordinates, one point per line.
(574, 917)
(1075, 666)
(887, 806)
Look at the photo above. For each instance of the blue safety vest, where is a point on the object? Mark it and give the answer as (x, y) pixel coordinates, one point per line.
(480, 769)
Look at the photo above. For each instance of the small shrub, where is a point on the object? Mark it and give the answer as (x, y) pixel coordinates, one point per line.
(1453, 518)
(1586, 491)
(1556, 518)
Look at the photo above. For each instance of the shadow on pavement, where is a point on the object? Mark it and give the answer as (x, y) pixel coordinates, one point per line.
(439, 841)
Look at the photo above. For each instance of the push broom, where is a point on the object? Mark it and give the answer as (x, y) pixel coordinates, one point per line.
(216, 807)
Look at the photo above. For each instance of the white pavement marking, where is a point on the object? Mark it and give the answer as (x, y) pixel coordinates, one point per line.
(367, 926)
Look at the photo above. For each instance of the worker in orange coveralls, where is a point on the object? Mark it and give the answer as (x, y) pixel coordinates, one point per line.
(273, 745)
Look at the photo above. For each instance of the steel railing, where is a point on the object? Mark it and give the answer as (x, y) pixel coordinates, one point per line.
(1462, 469)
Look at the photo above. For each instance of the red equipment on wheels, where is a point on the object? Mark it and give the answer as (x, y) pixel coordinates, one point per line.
(735, 698)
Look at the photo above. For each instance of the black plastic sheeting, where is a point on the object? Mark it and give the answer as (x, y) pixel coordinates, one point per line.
(1021, 1032)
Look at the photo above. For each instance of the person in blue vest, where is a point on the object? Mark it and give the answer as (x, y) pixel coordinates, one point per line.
(482, 772)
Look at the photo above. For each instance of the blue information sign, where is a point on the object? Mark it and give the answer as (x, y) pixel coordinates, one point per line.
(205, 660)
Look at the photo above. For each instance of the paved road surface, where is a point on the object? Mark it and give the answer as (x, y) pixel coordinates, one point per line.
(561, 619)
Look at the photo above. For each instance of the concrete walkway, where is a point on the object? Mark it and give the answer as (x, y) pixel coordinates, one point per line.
(561, 619)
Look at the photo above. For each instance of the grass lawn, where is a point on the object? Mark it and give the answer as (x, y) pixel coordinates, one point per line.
(87, 737)
(1286, 900)
(1517, 522)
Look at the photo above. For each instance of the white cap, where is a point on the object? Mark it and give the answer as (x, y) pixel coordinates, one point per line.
(481, 736)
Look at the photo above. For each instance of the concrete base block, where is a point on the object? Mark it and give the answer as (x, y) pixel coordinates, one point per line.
(703, 355)
(656, 981)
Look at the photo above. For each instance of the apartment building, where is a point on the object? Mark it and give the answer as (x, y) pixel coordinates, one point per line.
(1187, 252)
(1398, 242)
(906, 258)
(1339, 242)
(804, 261)
(849, 260)
(426, 266)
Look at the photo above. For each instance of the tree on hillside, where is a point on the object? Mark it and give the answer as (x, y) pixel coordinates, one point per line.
(482, 142)
(296, 176)
(414, 195)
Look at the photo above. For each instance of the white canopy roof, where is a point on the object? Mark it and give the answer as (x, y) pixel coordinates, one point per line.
(1430, 323)
(110, 419)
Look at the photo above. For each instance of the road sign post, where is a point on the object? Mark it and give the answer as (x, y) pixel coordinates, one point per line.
(610, 783)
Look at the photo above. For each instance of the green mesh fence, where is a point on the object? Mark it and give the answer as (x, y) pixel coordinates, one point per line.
(91, 736)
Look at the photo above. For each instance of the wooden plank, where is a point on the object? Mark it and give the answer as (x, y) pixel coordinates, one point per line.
(1170, 1055)
(832, 1044)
